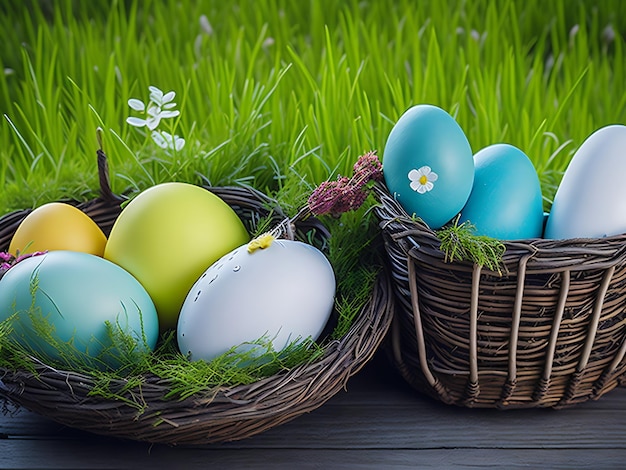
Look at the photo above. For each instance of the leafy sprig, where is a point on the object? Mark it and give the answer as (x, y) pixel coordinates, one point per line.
(460, 243)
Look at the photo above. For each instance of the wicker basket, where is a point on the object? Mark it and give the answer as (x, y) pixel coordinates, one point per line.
(550, 331)
(225, 414)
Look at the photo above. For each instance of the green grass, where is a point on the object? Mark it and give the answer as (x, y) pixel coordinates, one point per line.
(274, 93)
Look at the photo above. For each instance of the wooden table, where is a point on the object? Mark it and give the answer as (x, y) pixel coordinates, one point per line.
(377, 423)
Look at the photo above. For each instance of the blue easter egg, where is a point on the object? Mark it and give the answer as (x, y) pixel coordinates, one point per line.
(73, 295)
(506, 201)
(428, 165)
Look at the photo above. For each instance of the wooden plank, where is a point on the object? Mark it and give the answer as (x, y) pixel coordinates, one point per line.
(113, 455)
(419, 424)
(423, 425)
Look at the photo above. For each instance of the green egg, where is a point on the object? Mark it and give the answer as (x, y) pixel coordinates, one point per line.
(167, 236)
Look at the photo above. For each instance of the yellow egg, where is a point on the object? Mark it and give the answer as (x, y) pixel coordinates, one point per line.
(167, 236)
(58, 226)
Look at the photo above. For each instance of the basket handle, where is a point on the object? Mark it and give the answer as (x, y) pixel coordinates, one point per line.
(106, 192)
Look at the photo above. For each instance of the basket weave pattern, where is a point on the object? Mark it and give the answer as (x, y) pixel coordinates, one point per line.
(550, 331)
(213, 415)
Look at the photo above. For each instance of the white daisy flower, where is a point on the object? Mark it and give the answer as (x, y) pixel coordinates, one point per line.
(422, 179)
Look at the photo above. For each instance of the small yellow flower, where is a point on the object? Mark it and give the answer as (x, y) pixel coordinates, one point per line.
(262, 242)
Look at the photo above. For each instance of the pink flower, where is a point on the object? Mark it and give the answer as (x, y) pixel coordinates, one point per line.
(368, 168)
(28, 255)
(8, 260)
(346, 194)
(328, 197)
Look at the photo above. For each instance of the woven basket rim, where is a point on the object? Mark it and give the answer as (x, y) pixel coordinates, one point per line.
(407, 226)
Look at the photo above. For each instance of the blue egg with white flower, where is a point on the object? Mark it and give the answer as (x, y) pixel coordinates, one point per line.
(428, 164)
(506, 201)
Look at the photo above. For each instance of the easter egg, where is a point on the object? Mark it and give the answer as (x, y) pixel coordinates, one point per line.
(283, 293)
(167, 236)
(72, 296)
(428, 165)
(506, 201)
(57, 226)
(590, 201)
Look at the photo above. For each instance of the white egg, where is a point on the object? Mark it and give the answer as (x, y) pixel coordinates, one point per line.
(591, 199)
(284, 293)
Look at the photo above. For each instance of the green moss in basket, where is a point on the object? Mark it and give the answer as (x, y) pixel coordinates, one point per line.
(459, 243)
(135, 366)
(24, 344)
(233, 367)
(354, 256)
(260, 224)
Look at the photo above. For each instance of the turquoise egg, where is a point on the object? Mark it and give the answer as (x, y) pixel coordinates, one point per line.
(506, 201)
(71, 296)
(428, 164)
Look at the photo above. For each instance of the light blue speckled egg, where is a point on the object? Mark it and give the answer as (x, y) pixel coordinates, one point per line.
(428, 164)
(72, 296)
(506, 201)
(233, 304)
